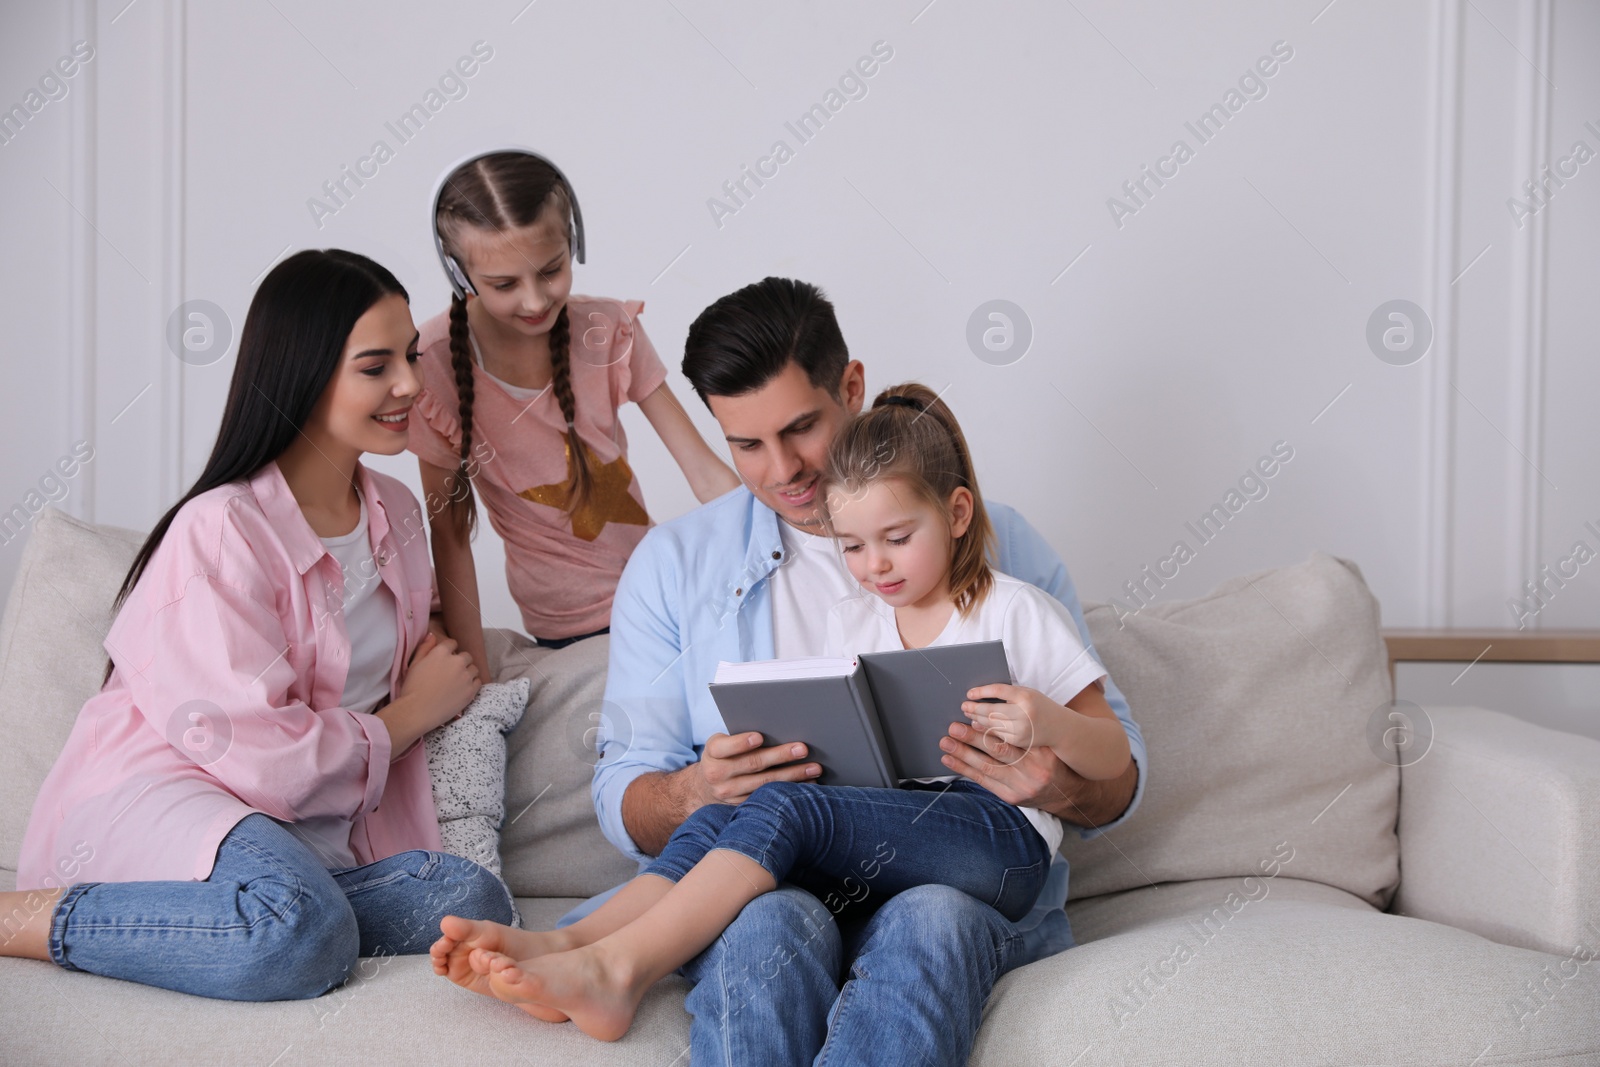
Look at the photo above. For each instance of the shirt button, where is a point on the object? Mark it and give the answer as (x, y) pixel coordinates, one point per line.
(777, 555)
(739, 592)
(408, 613)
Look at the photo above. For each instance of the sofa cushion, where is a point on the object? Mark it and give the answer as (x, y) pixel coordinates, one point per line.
(551, 844)
(51, 659)
(1279, 970)
(1289, 972)
(392, 1009)
(1254, 701)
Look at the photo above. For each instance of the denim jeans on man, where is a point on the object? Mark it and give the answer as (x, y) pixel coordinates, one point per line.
(693, 593)
(270, 923)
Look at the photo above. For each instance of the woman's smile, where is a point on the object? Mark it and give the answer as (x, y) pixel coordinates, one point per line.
(397, 421)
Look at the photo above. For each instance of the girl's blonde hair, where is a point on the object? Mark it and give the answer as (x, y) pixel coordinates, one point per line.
(505, 191)
(911, 435)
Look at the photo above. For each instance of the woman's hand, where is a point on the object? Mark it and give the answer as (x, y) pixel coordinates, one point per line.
(440, 681)
(1025, 718)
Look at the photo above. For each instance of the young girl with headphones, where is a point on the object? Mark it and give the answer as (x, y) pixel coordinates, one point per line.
(522, 380)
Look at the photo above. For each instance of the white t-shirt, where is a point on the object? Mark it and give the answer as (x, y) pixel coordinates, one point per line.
(1043, 649)
(372, 623)
(809, 581)
(370, 618)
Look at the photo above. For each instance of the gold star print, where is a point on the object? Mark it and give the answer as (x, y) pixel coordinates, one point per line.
(609, 499)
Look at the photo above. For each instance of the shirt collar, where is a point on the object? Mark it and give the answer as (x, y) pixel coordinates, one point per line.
(305, 548)
(377, 517)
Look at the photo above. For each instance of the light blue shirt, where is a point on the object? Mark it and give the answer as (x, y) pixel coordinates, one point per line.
(695, 592)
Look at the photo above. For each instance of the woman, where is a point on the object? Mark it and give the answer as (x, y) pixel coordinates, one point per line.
(244, 807)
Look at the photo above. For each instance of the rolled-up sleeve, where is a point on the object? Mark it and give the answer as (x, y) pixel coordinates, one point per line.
(219, 691)
(646, 721)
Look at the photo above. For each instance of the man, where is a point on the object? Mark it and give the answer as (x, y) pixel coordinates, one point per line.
(749, 576)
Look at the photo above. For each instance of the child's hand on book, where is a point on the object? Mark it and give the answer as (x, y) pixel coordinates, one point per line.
(1015, 714)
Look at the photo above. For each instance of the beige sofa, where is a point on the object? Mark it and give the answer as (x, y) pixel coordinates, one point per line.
(1283, 895)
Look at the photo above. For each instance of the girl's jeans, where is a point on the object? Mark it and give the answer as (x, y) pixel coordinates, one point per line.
(270, 923)
(847, 840)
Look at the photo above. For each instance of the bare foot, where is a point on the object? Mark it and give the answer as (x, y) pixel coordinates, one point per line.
(599, 994)
(462, 953)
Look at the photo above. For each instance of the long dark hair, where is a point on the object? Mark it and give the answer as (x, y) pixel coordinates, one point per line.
(505, 191)
(293, 338)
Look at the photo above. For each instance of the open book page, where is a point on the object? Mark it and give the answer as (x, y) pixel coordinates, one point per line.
(773, 669)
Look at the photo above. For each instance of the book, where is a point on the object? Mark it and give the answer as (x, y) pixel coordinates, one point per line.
(869, 720)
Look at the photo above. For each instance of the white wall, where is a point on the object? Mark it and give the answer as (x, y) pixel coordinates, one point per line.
(1228, 313)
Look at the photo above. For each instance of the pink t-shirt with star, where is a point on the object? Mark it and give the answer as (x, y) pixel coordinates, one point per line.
(562, 570)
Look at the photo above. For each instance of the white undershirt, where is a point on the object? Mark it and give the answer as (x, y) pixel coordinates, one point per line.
(809, 581)
(369, 618)
(370, 621)
(520, 392)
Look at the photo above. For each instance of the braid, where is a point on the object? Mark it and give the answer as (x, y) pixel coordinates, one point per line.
(582, 483)
(496, 193)
(459, 499)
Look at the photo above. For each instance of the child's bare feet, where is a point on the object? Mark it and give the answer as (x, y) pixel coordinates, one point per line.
(463, 951)
(598, 993)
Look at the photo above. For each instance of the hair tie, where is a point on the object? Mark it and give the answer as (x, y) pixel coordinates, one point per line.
(905, 402)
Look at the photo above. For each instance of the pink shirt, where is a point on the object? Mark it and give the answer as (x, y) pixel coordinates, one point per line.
(230, 657)
(561, 572)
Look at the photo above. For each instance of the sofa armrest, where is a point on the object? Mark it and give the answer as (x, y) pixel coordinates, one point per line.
(1499, 832)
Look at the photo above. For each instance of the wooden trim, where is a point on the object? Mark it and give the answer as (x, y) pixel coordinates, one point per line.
(1491, 646)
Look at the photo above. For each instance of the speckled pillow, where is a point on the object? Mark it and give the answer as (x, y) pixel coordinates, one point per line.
(467, 763)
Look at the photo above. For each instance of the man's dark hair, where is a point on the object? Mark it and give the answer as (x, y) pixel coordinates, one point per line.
(745, 339)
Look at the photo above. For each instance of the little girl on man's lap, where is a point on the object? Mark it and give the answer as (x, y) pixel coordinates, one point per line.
(903, 504)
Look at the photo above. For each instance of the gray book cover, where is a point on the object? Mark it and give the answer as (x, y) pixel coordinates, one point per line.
(876, 725)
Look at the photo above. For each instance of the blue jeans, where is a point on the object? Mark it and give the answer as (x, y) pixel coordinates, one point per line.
(836, 974)
(790, 983)
(270, 923)
(847, 841)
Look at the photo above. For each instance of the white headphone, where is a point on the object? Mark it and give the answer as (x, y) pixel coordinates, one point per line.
(452, 269)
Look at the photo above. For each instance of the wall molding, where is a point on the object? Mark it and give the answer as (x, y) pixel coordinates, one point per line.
(1530, 148)
(1438, 540)
(174, 30)
(82, 291)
